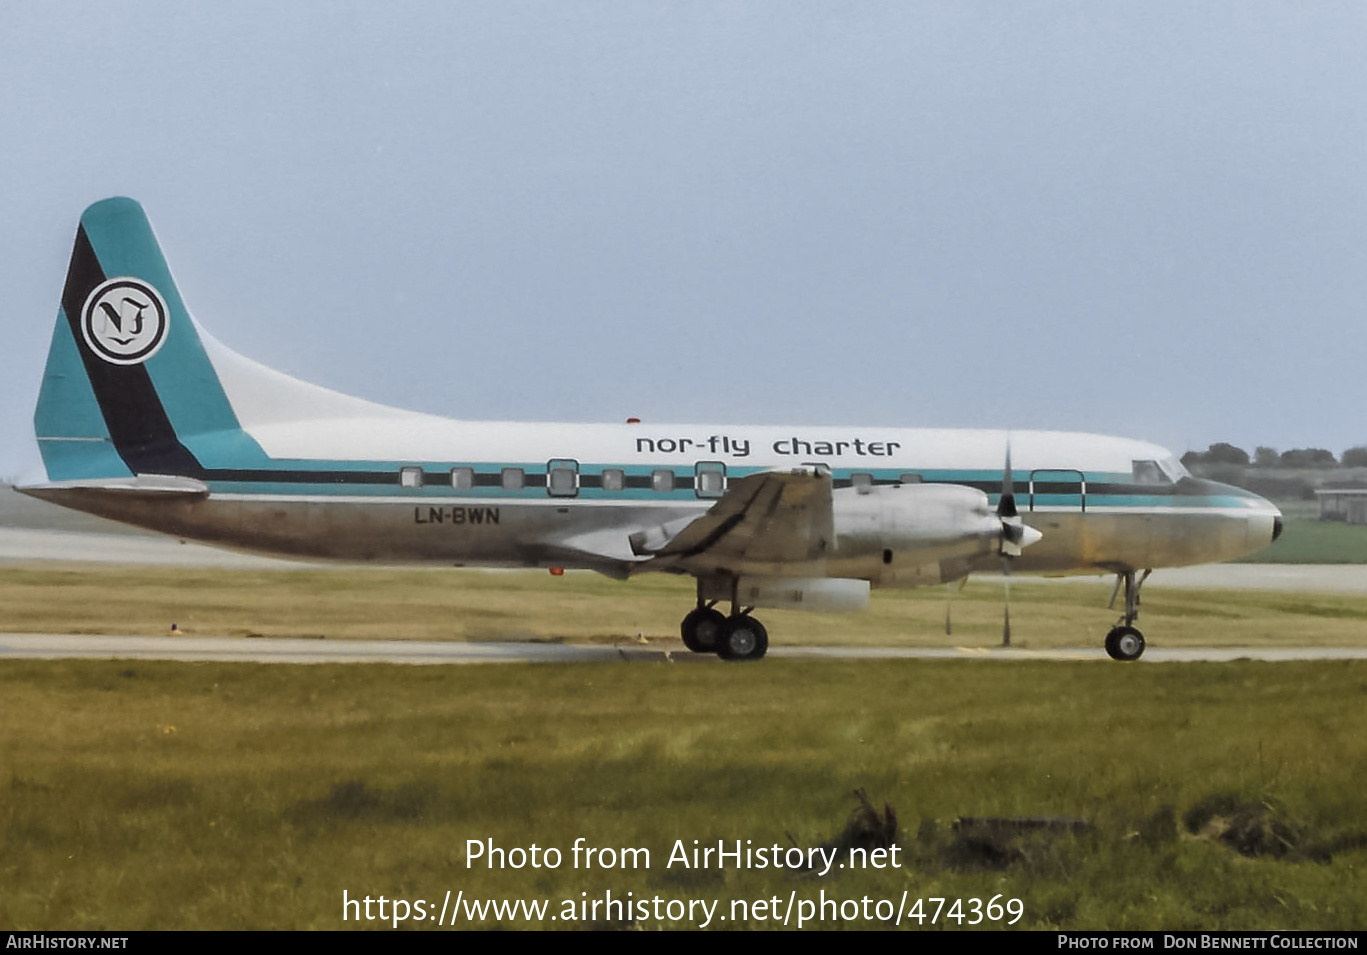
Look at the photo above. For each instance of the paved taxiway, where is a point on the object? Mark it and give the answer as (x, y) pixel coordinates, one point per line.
(30, 545)
(33, 646)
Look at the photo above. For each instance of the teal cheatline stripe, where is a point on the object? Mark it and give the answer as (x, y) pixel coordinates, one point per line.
(231, 448)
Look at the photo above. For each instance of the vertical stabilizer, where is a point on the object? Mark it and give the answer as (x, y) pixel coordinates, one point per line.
(128, 388)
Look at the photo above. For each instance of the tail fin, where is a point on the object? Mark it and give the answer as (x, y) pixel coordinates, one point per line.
(128, 389)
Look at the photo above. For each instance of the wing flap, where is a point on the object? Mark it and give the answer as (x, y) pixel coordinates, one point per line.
(772, 517)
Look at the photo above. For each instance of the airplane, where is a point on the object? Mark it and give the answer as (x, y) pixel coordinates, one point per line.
(144, 418)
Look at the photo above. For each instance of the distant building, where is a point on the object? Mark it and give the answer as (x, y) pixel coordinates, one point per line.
(1347, 505)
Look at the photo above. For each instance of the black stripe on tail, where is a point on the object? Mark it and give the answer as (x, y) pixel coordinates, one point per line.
(138, 424)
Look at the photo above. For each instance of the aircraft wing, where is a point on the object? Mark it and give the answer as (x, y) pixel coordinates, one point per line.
(775, 516)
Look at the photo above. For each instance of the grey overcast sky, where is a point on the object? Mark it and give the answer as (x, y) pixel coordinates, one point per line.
(1146, 219)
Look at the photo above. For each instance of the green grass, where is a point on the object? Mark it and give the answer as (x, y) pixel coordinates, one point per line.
(476, 605)
(160, 795)
(1315, 542)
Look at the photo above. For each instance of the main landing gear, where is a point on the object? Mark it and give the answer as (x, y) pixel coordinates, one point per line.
(701, 629)
(737, 637)
(1125, 642)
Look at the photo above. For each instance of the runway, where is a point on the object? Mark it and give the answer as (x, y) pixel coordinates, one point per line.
(33, 646)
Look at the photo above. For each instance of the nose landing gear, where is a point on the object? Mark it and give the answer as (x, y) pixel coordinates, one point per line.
(1125, 642)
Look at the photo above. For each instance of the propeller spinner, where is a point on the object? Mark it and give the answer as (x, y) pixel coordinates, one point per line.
(1016, 534)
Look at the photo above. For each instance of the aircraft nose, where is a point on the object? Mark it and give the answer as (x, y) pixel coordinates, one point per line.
(1265, 523)
(1253, 522)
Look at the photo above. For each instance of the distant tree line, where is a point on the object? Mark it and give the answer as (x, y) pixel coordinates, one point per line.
(1263, 457)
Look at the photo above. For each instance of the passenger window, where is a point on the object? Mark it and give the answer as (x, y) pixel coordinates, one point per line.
(709, 479)
(862, 482)
(662, 480)
(562, 478)
(910, 478)
(513, 479)
(410, 477)
(614, 479)
(462, 478)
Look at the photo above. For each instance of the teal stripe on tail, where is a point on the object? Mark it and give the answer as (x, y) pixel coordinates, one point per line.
(128, 388)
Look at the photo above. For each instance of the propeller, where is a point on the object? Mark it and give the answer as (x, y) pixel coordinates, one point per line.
(1012, 531)
(1016, 535)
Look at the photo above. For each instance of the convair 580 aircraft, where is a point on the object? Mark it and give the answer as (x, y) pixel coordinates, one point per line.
(144, 418)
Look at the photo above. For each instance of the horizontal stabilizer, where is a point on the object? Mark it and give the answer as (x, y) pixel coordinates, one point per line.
(142, 485)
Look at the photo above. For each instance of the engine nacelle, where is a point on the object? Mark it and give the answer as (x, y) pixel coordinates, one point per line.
(913, 525)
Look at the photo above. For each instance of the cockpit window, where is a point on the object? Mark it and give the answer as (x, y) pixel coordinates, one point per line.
(1174, 469)
(1166, 471)
(1148, 472)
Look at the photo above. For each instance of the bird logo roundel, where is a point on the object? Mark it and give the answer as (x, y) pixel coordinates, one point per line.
(124, 321)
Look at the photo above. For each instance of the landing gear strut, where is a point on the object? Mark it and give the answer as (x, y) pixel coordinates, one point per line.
(737, 637)
(1125, 642)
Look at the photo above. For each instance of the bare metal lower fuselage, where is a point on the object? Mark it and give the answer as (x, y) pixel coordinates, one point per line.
(474, 532)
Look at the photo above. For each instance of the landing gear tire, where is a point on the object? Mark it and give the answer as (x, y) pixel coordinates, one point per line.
(702, 629)
(743, 638)
(1125, 643)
